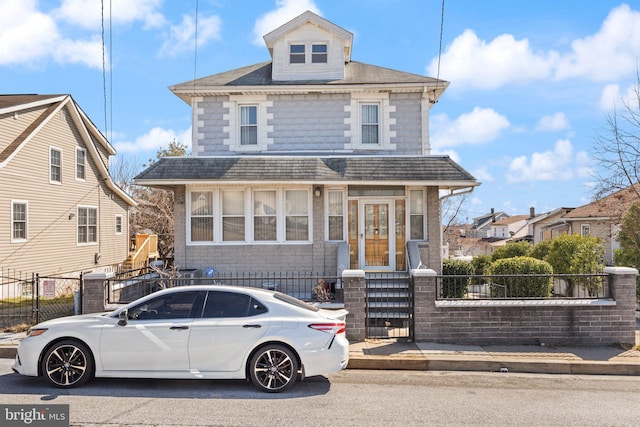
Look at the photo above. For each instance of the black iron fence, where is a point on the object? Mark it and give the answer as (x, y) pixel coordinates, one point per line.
(524, 286)
(313, 287)
(28, 298)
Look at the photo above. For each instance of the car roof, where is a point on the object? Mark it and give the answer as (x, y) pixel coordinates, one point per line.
(245, 289)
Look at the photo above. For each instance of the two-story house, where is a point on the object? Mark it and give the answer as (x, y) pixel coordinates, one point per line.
(309, 162)
(60, 211)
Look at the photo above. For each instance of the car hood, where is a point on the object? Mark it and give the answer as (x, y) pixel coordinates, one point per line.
(72, 319)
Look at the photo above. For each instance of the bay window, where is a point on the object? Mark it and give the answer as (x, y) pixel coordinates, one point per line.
(201, 216)
(265, 218)
(233, 217)
(297, 215)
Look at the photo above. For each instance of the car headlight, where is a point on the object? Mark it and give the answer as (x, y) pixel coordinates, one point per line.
(34, 332)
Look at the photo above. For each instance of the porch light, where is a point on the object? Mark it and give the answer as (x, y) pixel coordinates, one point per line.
(317, 192)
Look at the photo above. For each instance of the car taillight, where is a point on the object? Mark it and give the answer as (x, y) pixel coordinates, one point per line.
(337, 328)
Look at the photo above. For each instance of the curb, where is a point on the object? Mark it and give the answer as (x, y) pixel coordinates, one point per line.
(480, 364)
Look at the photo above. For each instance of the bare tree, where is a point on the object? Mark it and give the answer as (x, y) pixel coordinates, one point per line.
(617, 152)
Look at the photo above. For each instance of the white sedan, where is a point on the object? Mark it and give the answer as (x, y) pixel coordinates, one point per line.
(207, 332)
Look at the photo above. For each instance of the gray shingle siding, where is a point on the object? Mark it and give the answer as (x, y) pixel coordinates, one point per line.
(210, 124)
(408, 127)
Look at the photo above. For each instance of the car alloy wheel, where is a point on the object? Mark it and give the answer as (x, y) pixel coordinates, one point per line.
(67, 364)
(273, 368)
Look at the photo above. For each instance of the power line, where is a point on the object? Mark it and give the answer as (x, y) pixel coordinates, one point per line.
(439, 52)
(195, 53)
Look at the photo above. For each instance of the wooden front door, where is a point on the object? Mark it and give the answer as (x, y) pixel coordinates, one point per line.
(377, 236)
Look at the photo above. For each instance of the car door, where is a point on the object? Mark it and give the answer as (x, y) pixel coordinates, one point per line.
(231, 324)
(156, 335)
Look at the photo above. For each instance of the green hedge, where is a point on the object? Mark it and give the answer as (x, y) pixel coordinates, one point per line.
(521, 287)
(456, 287)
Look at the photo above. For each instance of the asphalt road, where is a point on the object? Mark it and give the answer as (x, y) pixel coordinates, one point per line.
(351, 398)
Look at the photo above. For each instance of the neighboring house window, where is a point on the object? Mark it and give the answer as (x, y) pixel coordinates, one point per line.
(118, 224)
(370, 124)
(335, 213)
(233, 217)
(296, 215)
(540, 235)
(319, 53)
(585, 229)
(265, 216)
(87, 225)
(55, 165)
(297, 54)
(202, 216)
(81, 158)
(248, 125)
(18, 221)
(416, 214)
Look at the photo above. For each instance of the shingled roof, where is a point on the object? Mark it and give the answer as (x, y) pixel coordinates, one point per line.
(440, 170)
(612, 206)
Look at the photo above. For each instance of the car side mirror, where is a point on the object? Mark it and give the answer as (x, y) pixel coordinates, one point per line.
(123, 316)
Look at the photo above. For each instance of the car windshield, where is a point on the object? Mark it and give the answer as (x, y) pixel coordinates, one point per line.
(294, 301)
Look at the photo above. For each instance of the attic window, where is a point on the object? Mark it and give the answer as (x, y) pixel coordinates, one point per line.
(319, 54)
(296, 54)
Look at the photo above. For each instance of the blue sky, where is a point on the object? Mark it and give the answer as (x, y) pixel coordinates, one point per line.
(531, 83)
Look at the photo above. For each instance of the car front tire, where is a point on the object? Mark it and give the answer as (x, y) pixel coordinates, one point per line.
(273, 368)
(67, 364)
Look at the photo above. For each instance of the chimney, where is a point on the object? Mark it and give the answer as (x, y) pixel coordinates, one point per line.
(493, 215)
(532, 212)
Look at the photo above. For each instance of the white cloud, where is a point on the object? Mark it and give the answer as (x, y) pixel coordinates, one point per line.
(553, 122)
(560, 164)
(29, 36)
(477, 127)
(285, 11)
(611, 97)
(471, 62)
(155, 139)
(482, 174)
(87, 13)
(609, 54)
(182, 36)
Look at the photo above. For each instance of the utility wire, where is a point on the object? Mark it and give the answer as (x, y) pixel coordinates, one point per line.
(439, 52)
(195, 53)
(104, 70)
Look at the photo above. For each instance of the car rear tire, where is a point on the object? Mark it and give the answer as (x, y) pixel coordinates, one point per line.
(273, 368)
(67, 364)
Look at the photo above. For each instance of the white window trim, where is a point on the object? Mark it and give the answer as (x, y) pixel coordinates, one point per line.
(385, 121)
(249, 235)
(117, 233)
(345, 220)
(232, 118)
(78, 243)
(26, 231)
(584, 227)
(51, 148)
(80, 149)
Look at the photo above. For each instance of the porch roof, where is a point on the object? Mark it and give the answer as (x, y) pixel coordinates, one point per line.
(423, 170)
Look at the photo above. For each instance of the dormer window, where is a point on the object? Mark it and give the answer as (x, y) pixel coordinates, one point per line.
(298, 53)
(319, 54)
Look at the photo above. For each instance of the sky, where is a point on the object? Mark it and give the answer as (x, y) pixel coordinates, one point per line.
(531, 82)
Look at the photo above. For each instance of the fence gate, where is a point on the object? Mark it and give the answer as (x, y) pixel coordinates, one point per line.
(28, 298)
(389, 305)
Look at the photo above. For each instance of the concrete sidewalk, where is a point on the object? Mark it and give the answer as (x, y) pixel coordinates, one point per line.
(396, 354)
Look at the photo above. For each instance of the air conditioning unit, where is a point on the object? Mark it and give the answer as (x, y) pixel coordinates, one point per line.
(188, 277)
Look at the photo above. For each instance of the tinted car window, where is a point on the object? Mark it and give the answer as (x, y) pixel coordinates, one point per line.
(230, 304)
(171, 306)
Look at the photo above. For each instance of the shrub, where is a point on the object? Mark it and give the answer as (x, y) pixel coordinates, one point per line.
(533, 281)
(456, 287)
(511, 250)
(480, 265)
(541, 250)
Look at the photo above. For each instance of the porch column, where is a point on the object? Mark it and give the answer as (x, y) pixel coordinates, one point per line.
(354, 285)
(434, 230)
(622, 283)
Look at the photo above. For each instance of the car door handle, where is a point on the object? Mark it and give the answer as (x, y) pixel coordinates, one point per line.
(251, 326)
(178, 327)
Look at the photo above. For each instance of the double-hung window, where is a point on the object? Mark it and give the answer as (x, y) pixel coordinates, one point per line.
(233, 217)
(87, 225)
(335, 210)
(296, 215)
(118, 225)
(18, 221)
(81, 160)
(370, 122)
(55, 165)
(416, 214)
(319, 54)
(265, 215)
(248, 125)
(201, 216)
(297, 54)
